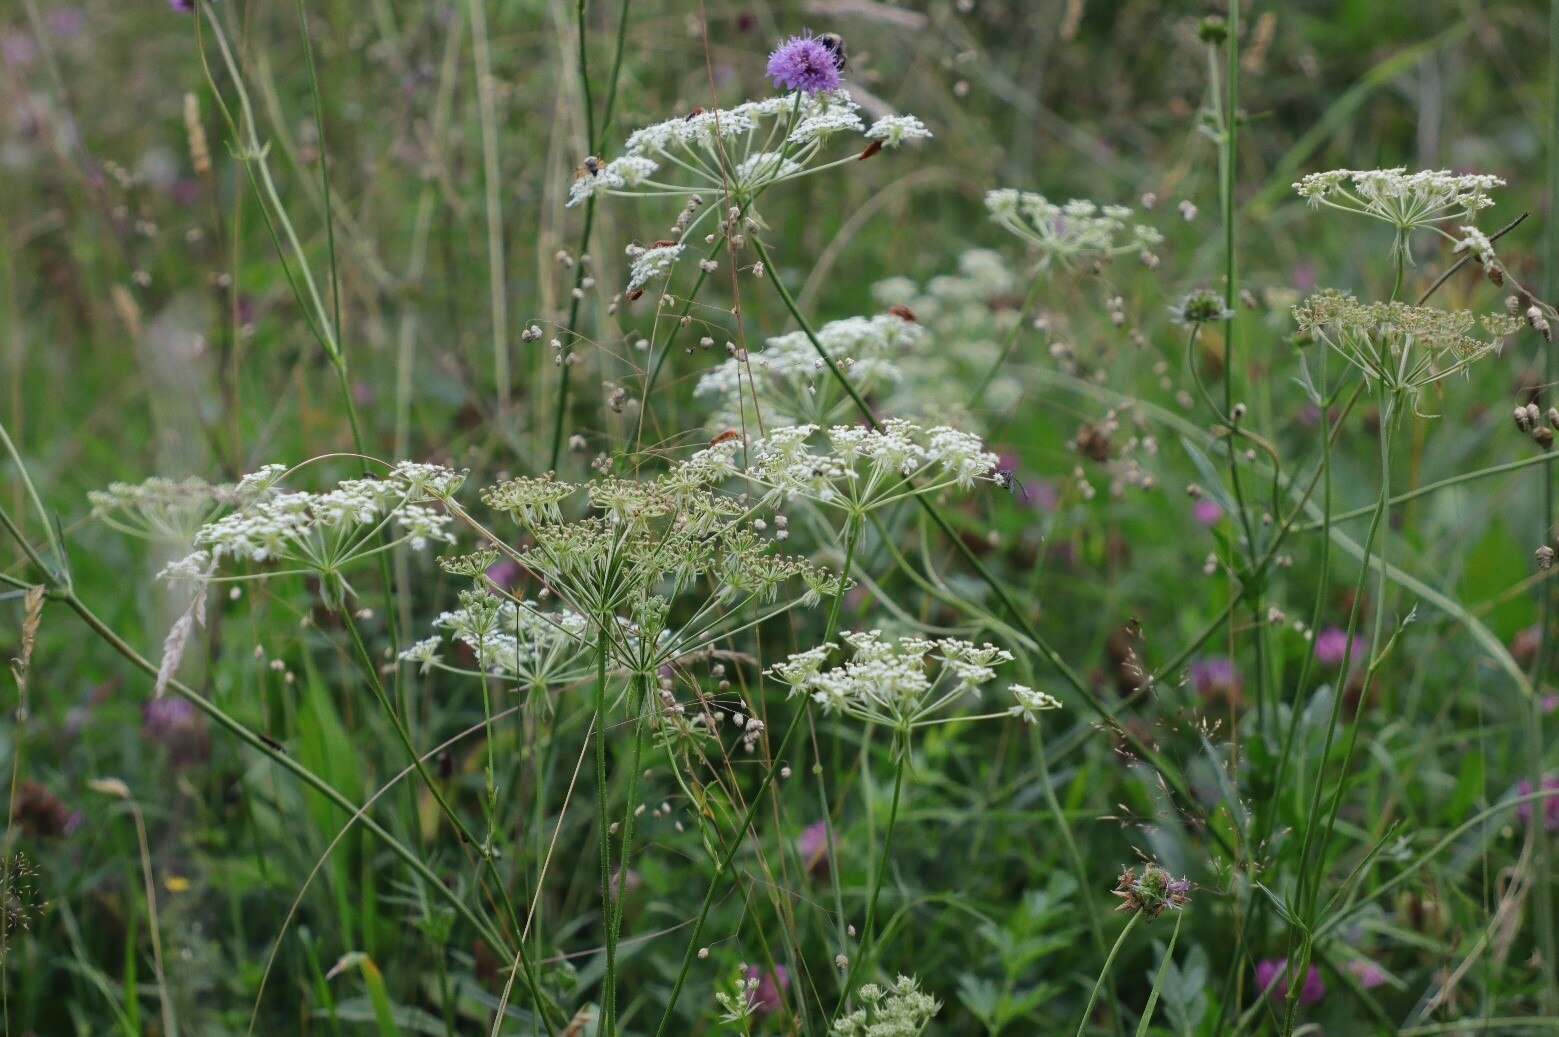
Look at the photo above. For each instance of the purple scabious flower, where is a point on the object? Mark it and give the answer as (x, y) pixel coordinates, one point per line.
(805, 64)
(768, 996)
(1550, 804)
(1272, 977)
(1331, 646)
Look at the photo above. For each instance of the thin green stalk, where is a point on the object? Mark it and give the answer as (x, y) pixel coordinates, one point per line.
(1543, 901)
(721, 867)
(604, 837)
(1093, 998)
(861, 962)
(570, 334)
(484, 850)
(1312, 865)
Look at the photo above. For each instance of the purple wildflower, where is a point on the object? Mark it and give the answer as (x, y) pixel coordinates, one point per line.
(805, 64)
(1550, 804)
(1369, 974)
(813, 847)
(504, 574)
(769, 995)
(1206, 512)
(1331, 646)
(182, 6)
(1272, 977)
(177, 727)
(1216, 678)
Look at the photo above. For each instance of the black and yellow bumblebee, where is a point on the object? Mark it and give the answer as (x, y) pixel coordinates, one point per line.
(835, 44)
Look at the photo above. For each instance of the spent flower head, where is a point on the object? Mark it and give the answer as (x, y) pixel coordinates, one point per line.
(1202, 306)
(1153, 892)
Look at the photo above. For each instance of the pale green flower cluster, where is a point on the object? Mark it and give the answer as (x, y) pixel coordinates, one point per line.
(1070, 232)
(900, 1010)
(641, 544)
(1406, 348)
(904, 683)
(167, 510)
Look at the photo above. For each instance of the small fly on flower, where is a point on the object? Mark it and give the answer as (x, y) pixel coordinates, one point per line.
(591, 167)
(1009, 482)
(835, 44)
(725, 437)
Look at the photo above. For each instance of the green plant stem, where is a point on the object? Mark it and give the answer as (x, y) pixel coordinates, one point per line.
(861, 961)
(604, 837)
(1543, 883)
(1093, 998)
(1312, 866)
(721, 867)
(570, 335)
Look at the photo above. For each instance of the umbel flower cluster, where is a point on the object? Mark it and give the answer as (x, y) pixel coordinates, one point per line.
(640, 545)
(738, 152)
(735, 154)
(1405, 348)
(1407, 201)
(327, 532)
(967, 320)
(900, 1010)
(167, 510)
(512, 640)
(859, 470)
(1071, 232)
(787, 383)
(903, 684)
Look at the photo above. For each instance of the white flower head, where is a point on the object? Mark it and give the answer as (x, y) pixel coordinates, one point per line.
(894, 130)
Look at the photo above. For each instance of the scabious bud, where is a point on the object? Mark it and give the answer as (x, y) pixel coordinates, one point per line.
(1213, 31)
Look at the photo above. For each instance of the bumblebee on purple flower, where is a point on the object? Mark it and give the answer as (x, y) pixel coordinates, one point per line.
(809, 64)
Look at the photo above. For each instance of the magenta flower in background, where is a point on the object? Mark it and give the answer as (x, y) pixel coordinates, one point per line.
(804, 64)
(182, 6)
(769, 995)
(503, 574)
(1206, 512)
(1368, 973)
(1331, 646)
(1216, 677)
(1550, 805)
(1271, 976)
(813, 847)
